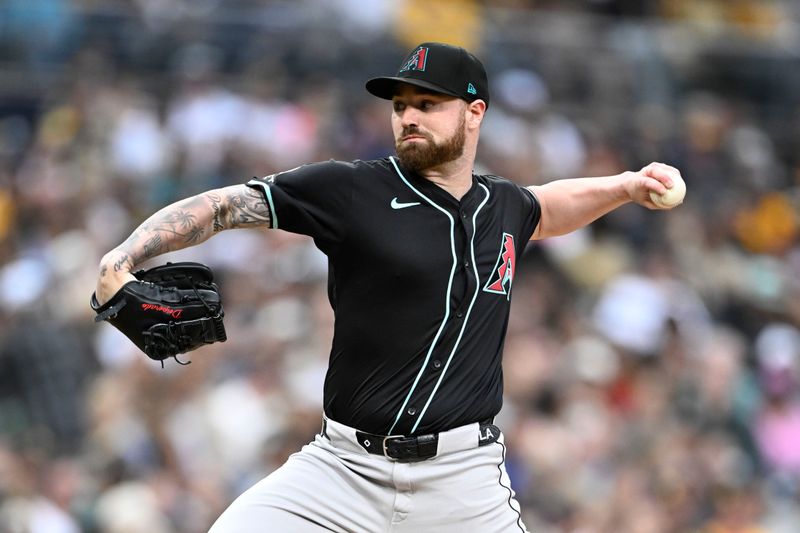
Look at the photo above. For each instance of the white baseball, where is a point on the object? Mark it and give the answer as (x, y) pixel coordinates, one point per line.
(673, 196)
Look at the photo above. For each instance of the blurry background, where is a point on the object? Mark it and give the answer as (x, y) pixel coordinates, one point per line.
(652, 359)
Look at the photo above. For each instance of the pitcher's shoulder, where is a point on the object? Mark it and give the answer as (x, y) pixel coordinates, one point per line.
(380, 165)
(495, 182)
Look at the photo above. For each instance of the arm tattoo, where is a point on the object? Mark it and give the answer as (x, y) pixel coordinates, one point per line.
(195, 235)
(120, 262)
(174, 227)
(103, 270)
(192, 221)
(153, 246)
(185, 219)
(215, 201)
(246, 208)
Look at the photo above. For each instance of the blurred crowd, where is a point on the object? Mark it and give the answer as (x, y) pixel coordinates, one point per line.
(652, 365)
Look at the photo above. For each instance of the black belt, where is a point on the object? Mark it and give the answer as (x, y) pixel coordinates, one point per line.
(408, 449)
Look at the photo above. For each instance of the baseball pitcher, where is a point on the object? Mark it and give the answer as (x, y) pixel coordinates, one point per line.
(408, 441)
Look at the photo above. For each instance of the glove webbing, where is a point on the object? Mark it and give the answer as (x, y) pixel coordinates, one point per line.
(211, 328)
(180, 334)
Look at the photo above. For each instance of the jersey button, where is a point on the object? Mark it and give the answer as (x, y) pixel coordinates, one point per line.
(412, 411)
(437, 364)
(460, 314)
(466, 264)
(463, 215)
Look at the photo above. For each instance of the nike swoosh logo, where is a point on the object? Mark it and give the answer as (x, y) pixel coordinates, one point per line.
(397, 205)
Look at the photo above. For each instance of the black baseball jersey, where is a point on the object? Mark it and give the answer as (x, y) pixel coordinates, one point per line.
(420, 284)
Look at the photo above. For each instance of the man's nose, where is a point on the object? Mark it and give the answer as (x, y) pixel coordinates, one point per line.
(409, 117)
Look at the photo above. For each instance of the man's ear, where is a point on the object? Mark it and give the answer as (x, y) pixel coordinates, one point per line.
(475, 111)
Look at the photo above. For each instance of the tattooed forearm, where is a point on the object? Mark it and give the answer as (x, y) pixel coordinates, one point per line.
(195, 235)
(153, 246)
(185, 219)
(103, 270)
(192, 221)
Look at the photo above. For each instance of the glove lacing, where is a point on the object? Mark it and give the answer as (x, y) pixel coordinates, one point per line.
(183, 340)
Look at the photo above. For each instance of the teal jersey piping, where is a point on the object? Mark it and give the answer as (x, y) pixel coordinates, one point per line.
(447, 297)
(268, 194)
(469, 309)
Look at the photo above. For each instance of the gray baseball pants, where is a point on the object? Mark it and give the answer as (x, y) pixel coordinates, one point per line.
(334, 484)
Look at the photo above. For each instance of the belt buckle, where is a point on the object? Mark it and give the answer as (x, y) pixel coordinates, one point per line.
(385, 450)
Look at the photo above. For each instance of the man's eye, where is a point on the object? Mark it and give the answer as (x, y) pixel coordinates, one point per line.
(398, 107)
(427, 104)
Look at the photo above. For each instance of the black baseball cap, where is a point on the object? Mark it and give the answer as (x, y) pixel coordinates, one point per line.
(439, 67)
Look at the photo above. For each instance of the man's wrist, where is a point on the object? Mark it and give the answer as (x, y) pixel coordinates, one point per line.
(624, 185)
(116, 261)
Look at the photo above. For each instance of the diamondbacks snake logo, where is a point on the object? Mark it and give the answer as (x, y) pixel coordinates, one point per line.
(503, 273)
(417, 60)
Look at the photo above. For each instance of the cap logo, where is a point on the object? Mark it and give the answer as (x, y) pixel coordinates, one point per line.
(416, 61)
(471, 89)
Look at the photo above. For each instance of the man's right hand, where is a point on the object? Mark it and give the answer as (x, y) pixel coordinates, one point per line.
(114, 273)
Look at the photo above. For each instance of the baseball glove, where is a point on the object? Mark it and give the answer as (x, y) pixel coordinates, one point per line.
(169, 310)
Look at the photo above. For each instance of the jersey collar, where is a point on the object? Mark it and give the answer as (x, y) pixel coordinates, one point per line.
(436, 193)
